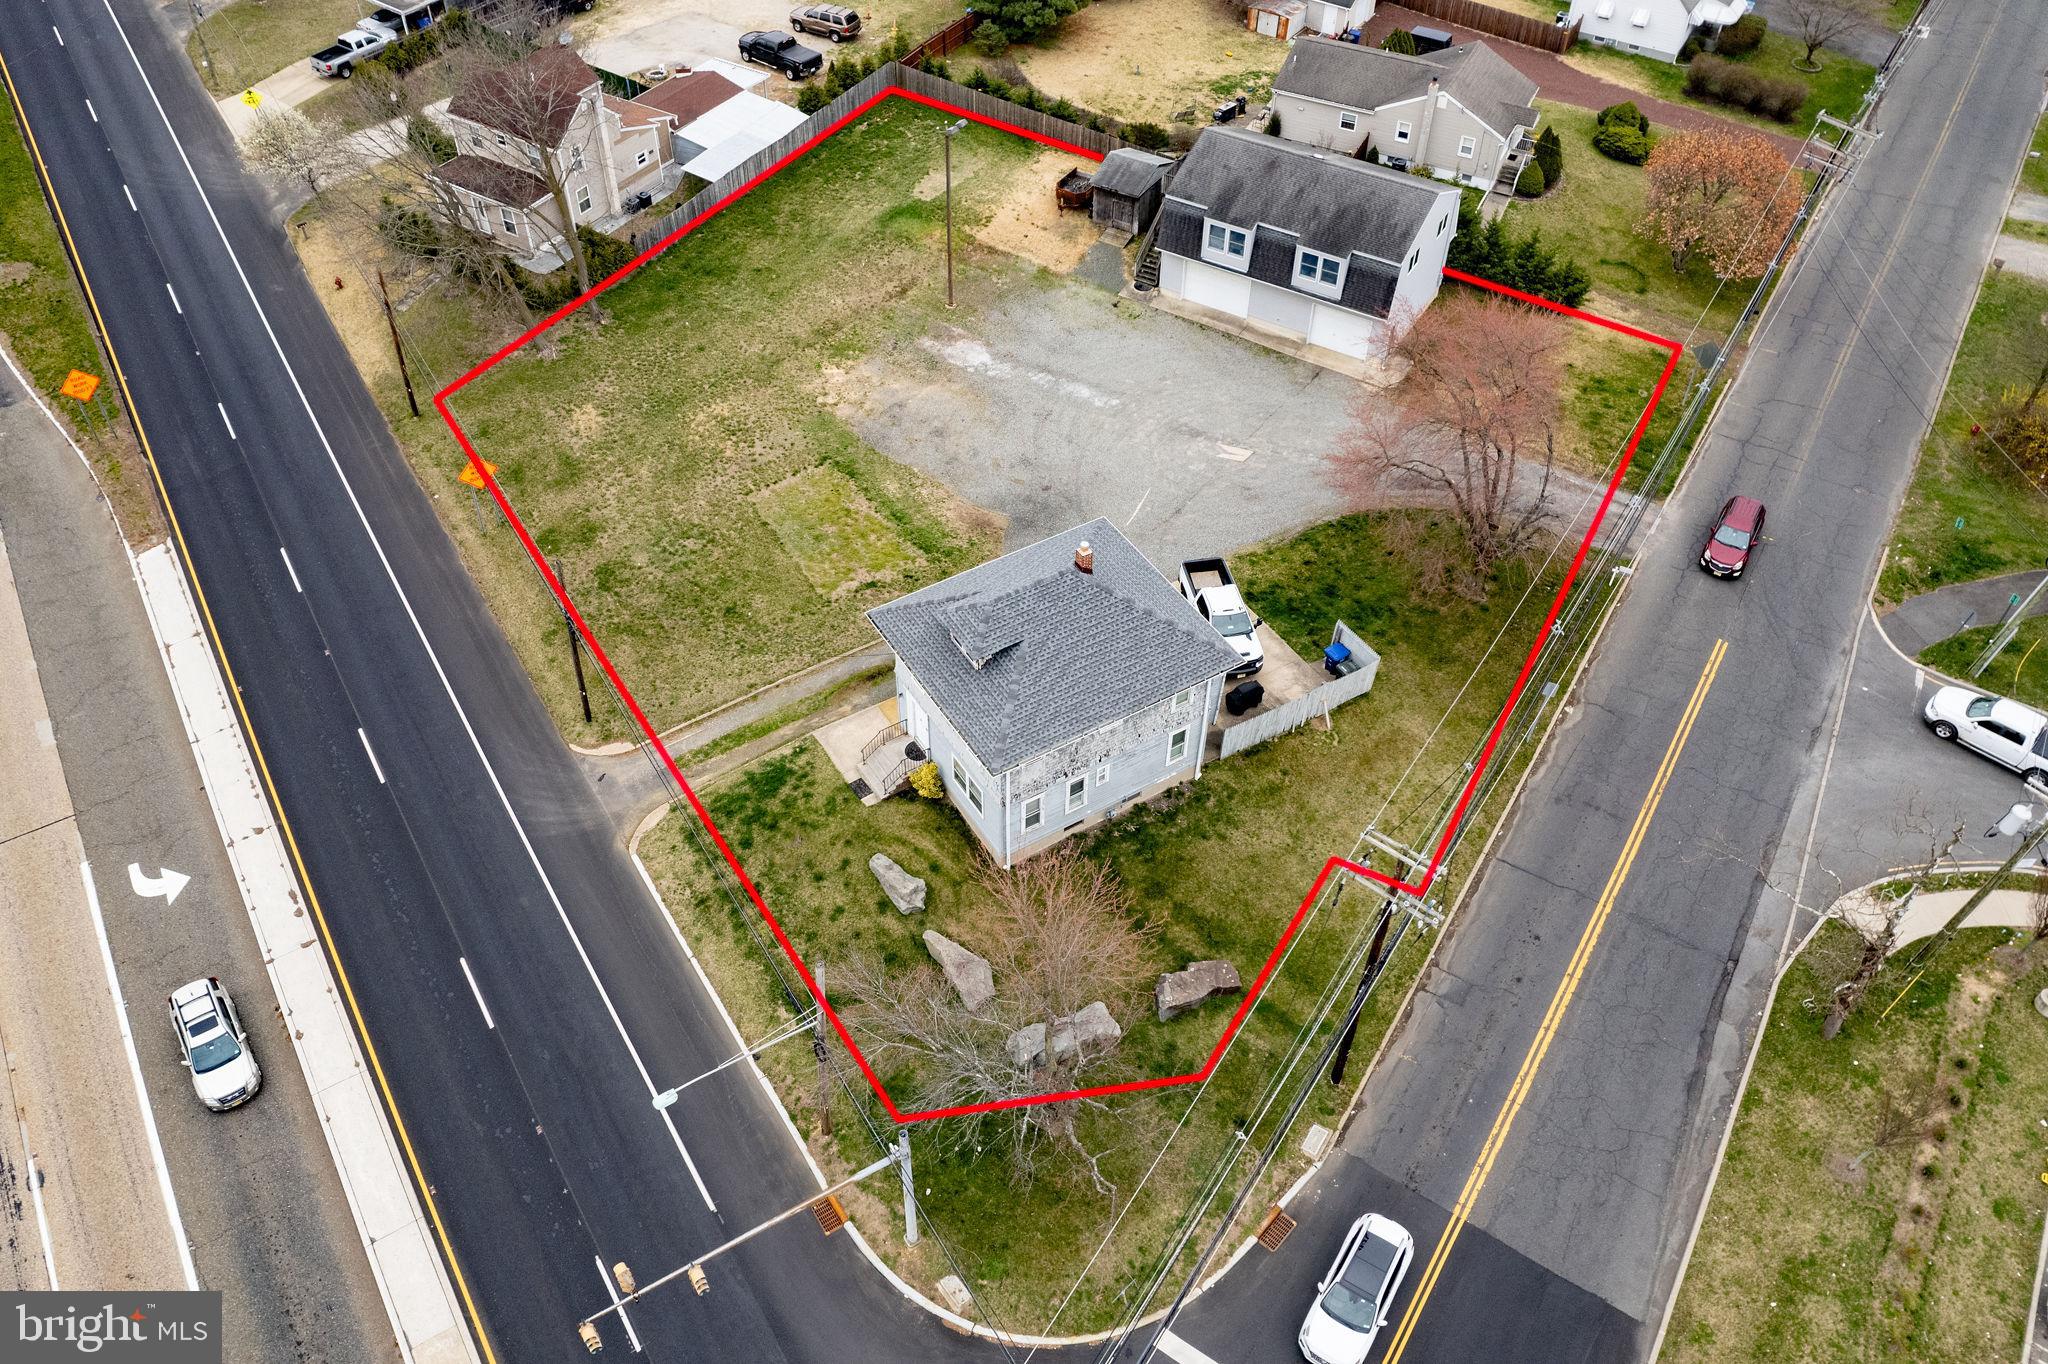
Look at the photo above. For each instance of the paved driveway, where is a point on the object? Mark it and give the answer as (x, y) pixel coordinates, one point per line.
(1066, 403)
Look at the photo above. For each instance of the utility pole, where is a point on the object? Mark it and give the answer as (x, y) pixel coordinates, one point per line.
(199, 32)
(901, 1154)
(950, 131)
(1372, 969)
(2009, 627)
(391, 320)
(818, 1050)
(575, 645)
(2018, 820)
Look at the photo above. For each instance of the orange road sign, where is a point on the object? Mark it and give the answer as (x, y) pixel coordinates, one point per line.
(80, 385)
(474, 479)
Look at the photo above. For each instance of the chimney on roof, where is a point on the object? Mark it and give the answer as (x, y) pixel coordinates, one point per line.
(1084, 557)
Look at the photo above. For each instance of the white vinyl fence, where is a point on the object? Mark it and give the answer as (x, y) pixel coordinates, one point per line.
(1319, 702)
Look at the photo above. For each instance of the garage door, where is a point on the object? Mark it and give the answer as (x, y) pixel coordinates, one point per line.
(1343, 331)
(1283, 308)
(1218, 289)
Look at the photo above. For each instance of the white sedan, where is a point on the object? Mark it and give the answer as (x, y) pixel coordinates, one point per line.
(2006, 732)
(212, 1045)
(1354, 1299)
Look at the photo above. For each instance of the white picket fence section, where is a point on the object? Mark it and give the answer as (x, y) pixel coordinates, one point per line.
(1320, 702)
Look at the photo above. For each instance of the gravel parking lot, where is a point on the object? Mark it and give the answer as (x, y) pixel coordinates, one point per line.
(1064, 403)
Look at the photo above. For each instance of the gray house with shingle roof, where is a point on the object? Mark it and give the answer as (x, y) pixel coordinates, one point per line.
(1463, 112)
(1055, 686)
(1319, 248)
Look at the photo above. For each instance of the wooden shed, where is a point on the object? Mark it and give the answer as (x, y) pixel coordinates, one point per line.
(1281, 19)
(1127, 189)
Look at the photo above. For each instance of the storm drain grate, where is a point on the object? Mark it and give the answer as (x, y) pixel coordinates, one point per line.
(1274, 1229)
(831, 1214)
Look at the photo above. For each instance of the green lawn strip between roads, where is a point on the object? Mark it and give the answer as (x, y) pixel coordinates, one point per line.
(251, 39)
(42, 311)
(1219, 868)
(2020, 670)
(1796, 1258)
(2034, 170)
(720, 527)
(1837, 87)
(1958, 478)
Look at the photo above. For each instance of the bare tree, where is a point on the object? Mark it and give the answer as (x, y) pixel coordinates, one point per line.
(1474, 421)
(1060, 937)
(1818, 22)
(1879, 929)
(2037, 906)
(1903, 1117)
(286, 143)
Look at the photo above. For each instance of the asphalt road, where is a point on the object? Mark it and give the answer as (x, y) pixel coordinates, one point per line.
(257, 1190)
(1641, 911)
(438, 814)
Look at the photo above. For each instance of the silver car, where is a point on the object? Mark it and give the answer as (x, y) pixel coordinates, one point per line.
(1355, 1298)
(213, 1046)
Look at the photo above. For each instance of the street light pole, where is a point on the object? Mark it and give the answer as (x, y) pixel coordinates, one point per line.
(2019, 820)
(950, 130)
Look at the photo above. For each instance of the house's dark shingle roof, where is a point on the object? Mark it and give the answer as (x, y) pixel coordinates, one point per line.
(689, 97)
(1366, 78)
(534, 99)
(494, 180)
(1320, 200)
(1061, 653)
(1129, 172)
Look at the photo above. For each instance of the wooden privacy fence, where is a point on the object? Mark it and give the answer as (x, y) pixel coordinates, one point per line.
(1516, 28)
(909, 78)
(1319, 702)
(947, 39)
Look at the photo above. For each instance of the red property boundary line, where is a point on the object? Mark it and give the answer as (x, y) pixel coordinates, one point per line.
(1421, 886)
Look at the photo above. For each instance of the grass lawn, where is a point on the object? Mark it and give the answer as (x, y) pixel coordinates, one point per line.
(1837, 87)
(2020, 670)
(719, 524)
(43, 322)
(2025, 229)
(1218, 868)
(1152, 59)
(251, 39)
(2034, 170)
(2003, 522)
(1923, 1248)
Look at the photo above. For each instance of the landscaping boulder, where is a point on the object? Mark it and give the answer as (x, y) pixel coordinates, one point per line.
(1179, 991)
(968, 974)
(905, 891)
(1091, 1027)
(1026, 1047)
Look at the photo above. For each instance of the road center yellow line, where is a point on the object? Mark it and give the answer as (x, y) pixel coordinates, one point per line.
(1553, 1017)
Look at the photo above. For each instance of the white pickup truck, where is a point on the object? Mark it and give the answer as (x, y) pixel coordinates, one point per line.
(1208, 584)
(356, 45)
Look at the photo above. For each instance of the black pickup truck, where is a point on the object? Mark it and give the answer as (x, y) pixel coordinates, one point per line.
(781, 52)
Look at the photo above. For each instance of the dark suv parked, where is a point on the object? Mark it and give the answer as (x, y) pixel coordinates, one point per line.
(781, 52)
(836, 22)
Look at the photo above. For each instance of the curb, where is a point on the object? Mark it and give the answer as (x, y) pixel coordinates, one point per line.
(426, 1318)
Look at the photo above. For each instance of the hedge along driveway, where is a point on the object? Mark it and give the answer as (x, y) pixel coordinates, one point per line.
(718, 525)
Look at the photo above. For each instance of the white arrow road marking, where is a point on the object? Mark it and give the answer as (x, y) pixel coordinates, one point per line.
(166, 883)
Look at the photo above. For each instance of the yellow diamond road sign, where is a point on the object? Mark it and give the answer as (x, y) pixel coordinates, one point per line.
(251, 97)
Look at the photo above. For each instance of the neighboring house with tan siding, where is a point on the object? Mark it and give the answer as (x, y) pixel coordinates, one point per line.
(1464, 112)
(542, 150)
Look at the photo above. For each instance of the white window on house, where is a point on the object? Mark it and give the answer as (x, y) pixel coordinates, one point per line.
(583, 198)
(483, 213)
(476, 141)
(505, 216)
(1077, 793)
(575, 158)
(1414, 256)
(1177, 746)
(532, 152)
(1034, 812)
(642, 158)
(974, 793)
(1468, 147)
(1641, 18)
(1442, 223)
(501, 139)
(959, 773)
(1312, 267)
(1228, 241)
(1402, 129)
(1347, 119)
(1181, 698)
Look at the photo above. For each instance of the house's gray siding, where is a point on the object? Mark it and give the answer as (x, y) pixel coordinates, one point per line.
(945, 748)
(1321, 125)
(1318, 124)
(1121, 762)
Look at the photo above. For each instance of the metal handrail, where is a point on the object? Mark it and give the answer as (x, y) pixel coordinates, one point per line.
(895, 731)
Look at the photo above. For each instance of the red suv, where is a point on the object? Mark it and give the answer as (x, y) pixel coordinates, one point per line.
(1734, 537)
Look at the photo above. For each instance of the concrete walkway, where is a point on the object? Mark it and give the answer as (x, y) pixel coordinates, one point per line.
(1931, 617)
(1556, 79)
(2024, 257)
(286, 89)
(2031, 207)
(2007, 908)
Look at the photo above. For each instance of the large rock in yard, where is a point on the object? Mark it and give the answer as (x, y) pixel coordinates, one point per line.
(1179, 991)
(1092, 1027)
(1026, 1047)
(968, 974)
(905, 891)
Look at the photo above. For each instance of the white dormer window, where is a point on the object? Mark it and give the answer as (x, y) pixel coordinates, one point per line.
(1402, 129)
(501, 139)
(1317, 273)
(1605, 11)
(1468, 147)
(575, 158)
(1347, 119)
(1641, 18)
(1227, 246)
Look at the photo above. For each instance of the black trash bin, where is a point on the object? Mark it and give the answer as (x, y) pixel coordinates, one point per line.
(1244, 696)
